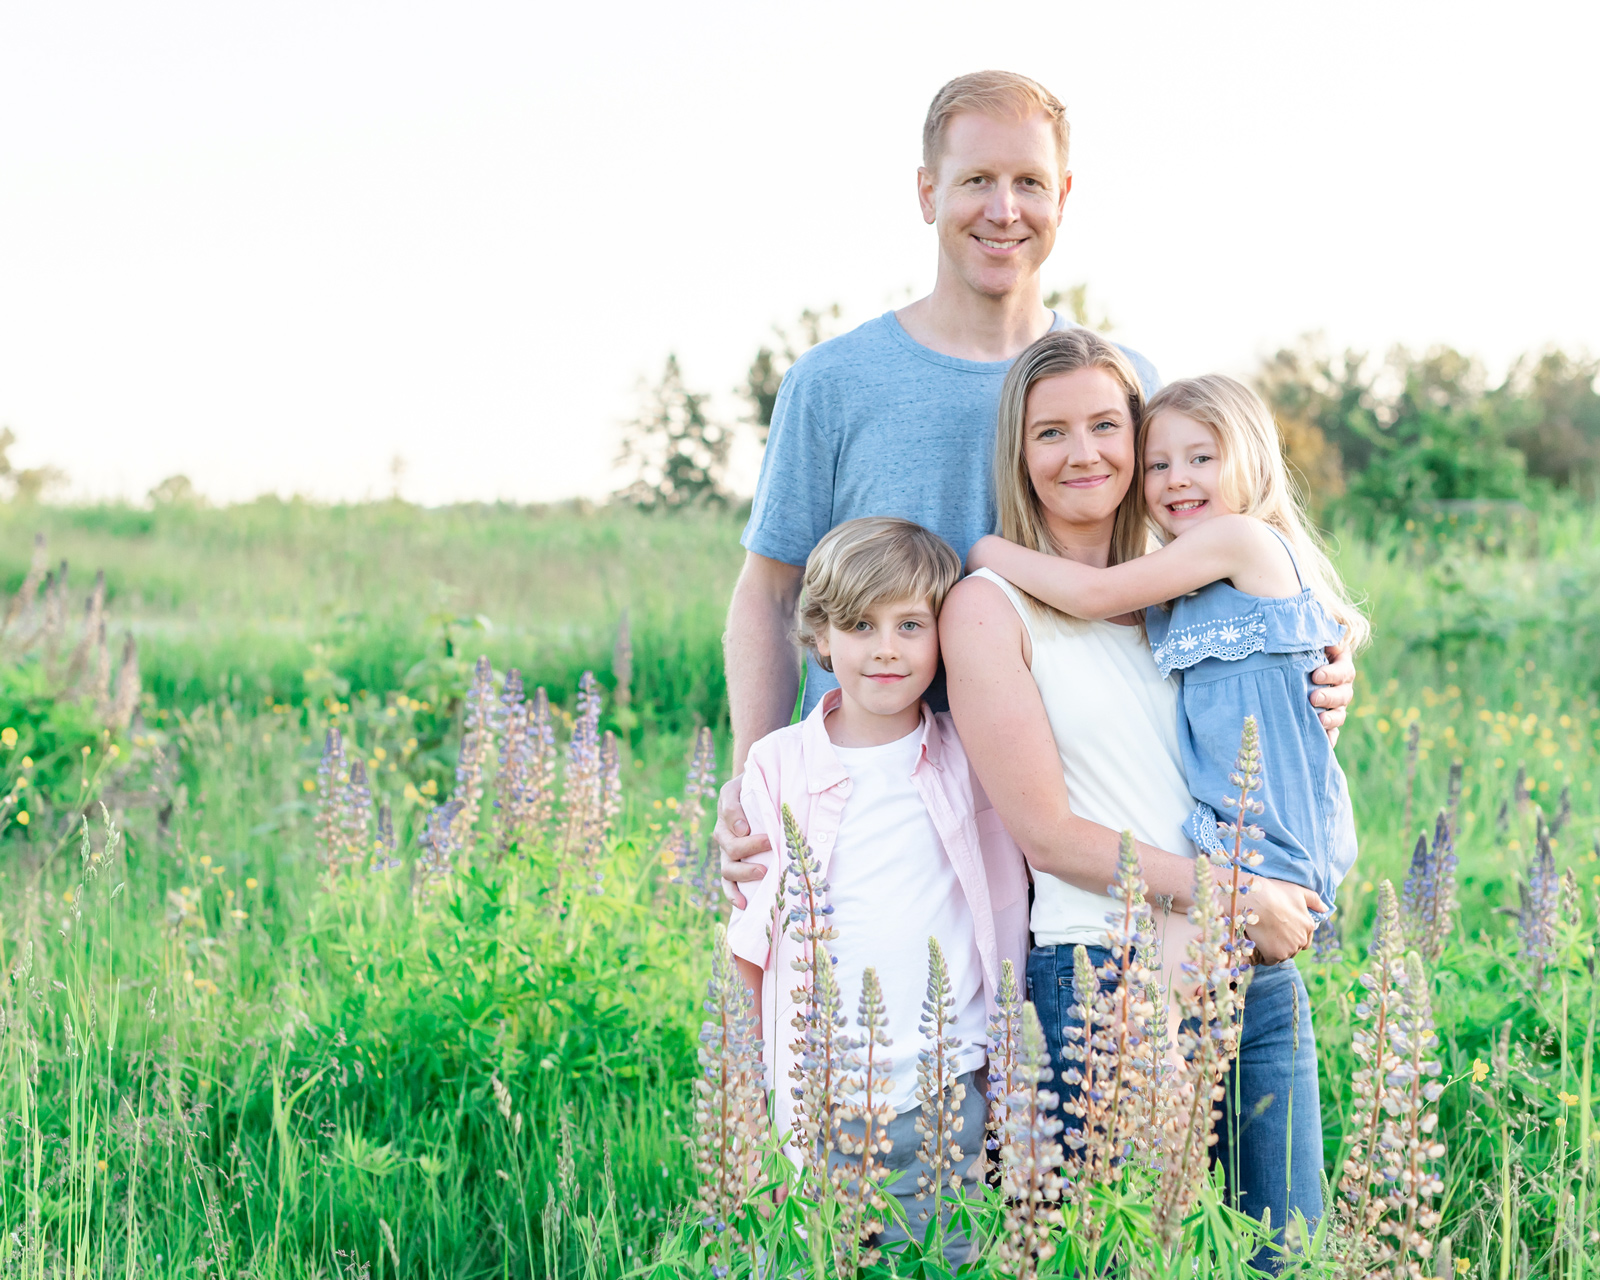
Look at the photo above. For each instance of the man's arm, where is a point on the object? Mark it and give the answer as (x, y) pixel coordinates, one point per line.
(763, 679)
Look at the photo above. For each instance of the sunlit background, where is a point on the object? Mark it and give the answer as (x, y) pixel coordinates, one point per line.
(277, 247)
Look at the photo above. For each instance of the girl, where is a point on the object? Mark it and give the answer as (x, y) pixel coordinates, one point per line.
(1241, 601)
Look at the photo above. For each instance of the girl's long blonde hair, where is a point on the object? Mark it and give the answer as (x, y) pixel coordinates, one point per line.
(1021, 516)
(1256, 481)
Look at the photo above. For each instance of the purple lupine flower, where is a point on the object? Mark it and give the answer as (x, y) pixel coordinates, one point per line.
(511, 783)
(384, 845)
(477, 745)
(439, 845)
(1005, 1039)
(1327, 943)
(730, 1103)
(332, 775)
(1428, 899)
(355, 814)
(1248, 776)
(1031, 1157)
(1539, 912)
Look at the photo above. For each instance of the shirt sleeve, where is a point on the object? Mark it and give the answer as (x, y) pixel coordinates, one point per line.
(750, 929)
(793, 506)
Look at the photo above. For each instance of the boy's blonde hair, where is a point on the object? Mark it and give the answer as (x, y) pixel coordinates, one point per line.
(1021, 516)
(867, 562)
(1256, 482)
(995, 94)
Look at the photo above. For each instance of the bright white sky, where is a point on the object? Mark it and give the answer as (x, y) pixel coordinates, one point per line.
(274, 245)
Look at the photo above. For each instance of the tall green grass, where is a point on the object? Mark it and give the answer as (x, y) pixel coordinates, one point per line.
(212, 1065)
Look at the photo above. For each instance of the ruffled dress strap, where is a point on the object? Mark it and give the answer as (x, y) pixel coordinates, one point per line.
(1220, 621)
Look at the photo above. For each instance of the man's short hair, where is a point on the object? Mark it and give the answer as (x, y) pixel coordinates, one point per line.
(993, 93)
(863, 563)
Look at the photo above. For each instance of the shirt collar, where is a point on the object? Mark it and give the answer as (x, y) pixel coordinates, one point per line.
(822, 765)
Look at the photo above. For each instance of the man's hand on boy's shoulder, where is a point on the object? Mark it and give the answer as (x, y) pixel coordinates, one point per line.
(732, 834)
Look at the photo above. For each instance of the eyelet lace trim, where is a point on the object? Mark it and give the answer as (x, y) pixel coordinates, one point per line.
(1202, 826)
(1229, 639)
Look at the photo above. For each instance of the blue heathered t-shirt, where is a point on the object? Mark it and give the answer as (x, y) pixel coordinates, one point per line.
(872, 423)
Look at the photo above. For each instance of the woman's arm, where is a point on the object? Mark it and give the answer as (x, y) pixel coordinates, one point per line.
(1002, 723)
(1223, 547)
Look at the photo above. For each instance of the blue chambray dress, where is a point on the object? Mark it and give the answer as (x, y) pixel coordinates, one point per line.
(1240, 655)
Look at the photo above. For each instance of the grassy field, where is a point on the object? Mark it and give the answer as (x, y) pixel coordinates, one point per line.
(228, 1049)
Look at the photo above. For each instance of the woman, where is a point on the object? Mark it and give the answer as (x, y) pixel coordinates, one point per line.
(1074, 735)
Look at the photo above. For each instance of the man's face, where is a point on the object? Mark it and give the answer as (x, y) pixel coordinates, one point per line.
(996, 199)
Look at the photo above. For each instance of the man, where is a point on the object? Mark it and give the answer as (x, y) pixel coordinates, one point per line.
(897, 417)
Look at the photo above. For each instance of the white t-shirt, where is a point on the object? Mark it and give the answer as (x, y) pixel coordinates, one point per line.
(1115, 722)
(892, 887)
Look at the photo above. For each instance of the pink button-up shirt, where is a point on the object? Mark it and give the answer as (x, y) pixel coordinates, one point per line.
(798, 766)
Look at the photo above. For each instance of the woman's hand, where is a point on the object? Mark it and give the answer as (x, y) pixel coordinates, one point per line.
(1283, 925)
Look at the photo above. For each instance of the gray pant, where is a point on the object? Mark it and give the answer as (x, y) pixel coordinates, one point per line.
(903, 1160)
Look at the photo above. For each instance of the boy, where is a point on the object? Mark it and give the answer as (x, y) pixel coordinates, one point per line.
(907, 842)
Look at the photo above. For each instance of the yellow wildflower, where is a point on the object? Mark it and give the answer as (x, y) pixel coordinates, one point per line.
(1480, 1071)
(8, 737)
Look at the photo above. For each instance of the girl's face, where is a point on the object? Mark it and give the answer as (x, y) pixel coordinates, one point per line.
(1182, 473)
(1078, 445)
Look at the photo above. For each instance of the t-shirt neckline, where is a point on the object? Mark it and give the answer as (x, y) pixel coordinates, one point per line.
(883, 751)
(897, 332)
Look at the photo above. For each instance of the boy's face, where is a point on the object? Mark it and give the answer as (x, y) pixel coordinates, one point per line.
(886, 662)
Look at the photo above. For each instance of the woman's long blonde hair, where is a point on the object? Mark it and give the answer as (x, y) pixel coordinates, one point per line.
(1021, 516)
(1256, 481)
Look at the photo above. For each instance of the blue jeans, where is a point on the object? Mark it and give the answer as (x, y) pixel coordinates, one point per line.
(1270, 1159)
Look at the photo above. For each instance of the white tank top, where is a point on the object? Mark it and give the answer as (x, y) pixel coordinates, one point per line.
(1115, 722)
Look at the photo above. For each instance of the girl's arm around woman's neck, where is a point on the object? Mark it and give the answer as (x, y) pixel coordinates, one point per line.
(1237, 548)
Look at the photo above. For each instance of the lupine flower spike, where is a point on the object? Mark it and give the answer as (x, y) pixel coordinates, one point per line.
(333, 775)
(1540, 893)
(1247, 776)
(819, 1019)
(1327, 943)
(1452, 804)
(383, 846)
(592, 788)
(1031, 1157)
(730, 1104)
(355, 814)
(1005, 1039)
(477, 745)
(1373, 1041)
(1410, 1145)
(864, 1085)
(439, 848)
(513, 786)
(1208, 1040)
(939, 1091)
(1428, 900)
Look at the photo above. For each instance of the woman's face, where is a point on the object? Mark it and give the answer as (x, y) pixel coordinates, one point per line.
(1078, 444)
